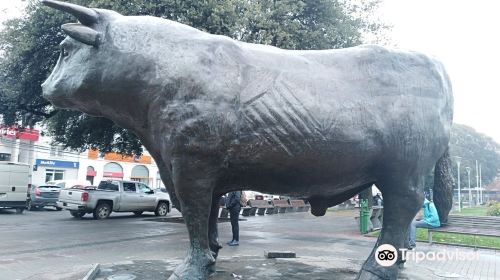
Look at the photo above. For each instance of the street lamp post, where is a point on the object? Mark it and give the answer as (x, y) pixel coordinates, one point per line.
(477, 184)
(480, 186)
(458, 177)
(470, 192)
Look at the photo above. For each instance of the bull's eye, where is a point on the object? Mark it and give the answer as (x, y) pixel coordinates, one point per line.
(64, 52)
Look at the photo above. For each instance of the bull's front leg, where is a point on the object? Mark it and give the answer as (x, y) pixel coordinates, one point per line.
(194, 183)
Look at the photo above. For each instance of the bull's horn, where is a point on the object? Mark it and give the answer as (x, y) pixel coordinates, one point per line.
(85, 15)
(82, 33)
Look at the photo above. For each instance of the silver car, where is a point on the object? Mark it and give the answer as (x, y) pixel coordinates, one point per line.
(41, 196)
(114, 196)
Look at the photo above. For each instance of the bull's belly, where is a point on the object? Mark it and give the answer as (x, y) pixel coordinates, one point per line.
(311, 171)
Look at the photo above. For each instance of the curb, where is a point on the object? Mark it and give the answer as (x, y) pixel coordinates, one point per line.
(448, 244)
(91, 275)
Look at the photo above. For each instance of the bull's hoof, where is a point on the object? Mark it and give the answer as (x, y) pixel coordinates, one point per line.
(194, 267)
(215, 249)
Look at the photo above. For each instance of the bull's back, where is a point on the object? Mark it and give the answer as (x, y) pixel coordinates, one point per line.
(367, 103)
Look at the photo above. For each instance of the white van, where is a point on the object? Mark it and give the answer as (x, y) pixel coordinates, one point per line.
(14, 180)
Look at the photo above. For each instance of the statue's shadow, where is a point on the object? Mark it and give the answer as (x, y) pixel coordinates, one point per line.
(241, 267)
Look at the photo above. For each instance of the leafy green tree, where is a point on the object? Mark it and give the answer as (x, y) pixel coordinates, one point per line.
(30, 50)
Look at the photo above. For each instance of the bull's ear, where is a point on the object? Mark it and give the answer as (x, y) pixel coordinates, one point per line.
(85, 15)
(82, 33)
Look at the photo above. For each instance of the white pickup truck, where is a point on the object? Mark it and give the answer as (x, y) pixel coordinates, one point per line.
(114, 196)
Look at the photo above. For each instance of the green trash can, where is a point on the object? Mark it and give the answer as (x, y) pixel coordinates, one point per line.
(363, 216)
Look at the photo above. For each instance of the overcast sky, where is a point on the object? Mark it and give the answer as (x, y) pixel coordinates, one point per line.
(463, 34)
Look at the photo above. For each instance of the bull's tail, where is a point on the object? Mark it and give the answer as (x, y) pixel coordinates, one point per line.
(443, 186)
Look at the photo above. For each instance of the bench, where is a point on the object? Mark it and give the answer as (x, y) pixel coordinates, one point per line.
(473, 225)
(280, 206)
(248, 211)
(299, 205)
(262, 206)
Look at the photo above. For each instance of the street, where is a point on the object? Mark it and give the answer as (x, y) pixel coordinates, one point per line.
(41, 242)
(52, 245)
(45, 241)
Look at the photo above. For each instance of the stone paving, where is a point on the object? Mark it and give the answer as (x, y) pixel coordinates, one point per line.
(325, 251)
(128, 247)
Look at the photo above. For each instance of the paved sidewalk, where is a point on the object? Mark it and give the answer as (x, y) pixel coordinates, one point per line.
(327, 247)
(465, 263)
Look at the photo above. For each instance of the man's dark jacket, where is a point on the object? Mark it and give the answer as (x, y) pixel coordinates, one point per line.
(233, 200)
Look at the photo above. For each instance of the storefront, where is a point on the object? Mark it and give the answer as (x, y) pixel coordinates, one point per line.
(17, 144)
(50, 170)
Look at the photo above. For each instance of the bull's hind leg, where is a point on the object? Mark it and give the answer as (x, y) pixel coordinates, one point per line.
(194, 183)
(402, 200)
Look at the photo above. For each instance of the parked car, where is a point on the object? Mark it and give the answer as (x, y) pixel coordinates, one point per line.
(41, 196)
(68, 183)
(14, 180)
(114, 196)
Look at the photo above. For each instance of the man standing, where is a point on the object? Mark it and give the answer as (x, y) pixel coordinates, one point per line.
(234, 207)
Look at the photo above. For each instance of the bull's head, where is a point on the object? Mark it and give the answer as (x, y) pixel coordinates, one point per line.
(98, 67)
(118, 66)
(77, 67)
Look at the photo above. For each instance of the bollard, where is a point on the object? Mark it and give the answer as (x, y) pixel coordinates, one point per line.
(363, 216)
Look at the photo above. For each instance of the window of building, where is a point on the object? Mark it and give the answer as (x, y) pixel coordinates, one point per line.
(158, 180)
(91, 174)
(53, 174)
(4, 157)
(113, 170)
(140, 173)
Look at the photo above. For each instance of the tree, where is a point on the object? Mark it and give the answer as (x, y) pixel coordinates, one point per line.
(470, 146)
(30, 48)
(467, 145)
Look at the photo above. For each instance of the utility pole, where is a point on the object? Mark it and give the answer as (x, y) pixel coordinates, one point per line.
(458, 176)
(470, 192)
(477, 184)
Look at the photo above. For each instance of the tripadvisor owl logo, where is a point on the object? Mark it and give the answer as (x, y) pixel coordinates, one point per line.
(386, 255)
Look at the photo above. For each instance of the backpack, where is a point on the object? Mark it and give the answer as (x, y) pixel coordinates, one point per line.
(243, 199)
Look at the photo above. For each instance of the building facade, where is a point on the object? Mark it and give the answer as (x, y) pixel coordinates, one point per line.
(51, 162)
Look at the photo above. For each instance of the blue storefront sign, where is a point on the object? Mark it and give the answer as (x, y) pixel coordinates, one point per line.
(57, 163)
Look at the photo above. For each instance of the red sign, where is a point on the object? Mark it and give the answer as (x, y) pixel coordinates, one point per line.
(113, 174)
(23, 134)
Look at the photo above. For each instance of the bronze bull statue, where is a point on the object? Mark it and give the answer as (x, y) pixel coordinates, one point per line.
(219, 115)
